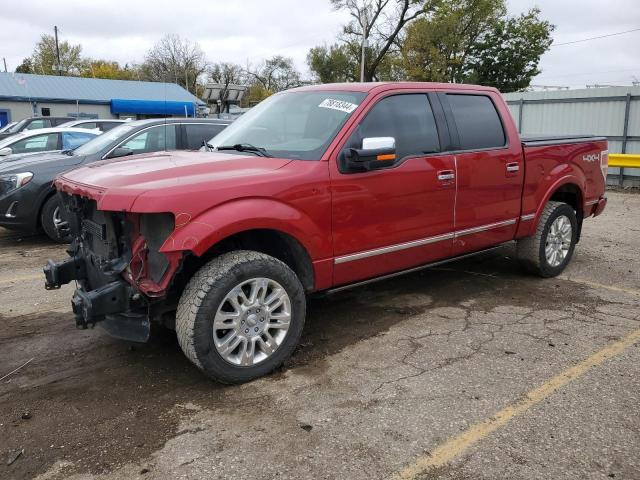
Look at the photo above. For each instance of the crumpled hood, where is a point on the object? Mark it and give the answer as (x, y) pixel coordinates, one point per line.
(123, 179)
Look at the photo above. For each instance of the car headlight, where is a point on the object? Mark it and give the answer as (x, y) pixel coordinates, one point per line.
(13, 181)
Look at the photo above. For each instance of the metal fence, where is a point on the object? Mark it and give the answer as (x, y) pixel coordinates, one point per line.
(612, 112)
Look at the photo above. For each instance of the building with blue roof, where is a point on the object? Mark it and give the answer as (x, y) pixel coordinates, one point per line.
(25, 95)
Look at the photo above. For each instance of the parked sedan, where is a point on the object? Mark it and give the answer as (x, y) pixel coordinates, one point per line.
(101, 124)
(27, 200)
(45, 140)
(33, 123)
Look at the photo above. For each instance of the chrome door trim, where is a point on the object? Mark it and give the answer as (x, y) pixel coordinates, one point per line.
(423, 241)
(527, 217)
(411, 270)
(482, 228)
(392, 248)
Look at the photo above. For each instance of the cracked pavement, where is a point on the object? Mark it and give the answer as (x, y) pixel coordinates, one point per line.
(384, 375)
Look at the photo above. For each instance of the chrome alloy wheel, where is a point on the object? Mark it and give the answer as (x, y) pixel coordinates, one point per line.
(59, 223)
(558, 241)
(252, 321)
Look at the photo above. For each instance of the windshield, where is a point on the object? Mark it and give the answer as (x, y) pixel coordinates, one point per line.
(17, 126)
(297, 125)
(5, 142)
(7, 127)
(104, 140)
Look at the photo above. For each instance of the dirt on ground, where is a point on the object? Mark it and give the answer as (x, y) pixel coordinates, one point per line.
(383, 375)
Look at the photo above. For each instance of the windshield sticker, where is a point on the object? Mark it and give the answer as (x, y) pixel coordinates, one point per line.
(341, 105)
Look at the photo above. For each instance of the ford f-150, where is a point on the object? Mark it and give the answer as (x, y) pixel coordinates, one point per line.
(315, 189)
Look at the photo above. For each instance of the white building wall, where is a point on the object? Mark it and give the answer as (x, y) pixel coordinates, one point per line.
(21, 110)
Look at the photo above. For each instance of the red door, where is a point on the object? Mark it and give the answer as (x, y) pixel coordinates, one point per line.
(401, 216)
(490, 172)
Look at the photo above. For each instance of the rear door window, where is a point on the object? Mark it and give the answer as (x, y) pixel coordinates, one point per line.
(197, 134)
(407, 118)
(37, 124)
(478, 122)
(37, 143)
(154, 139)
(106, 126)
(88, 125)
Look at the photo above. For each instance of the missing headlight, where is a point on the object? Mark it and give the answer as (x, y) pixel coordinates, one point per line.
(156, 228)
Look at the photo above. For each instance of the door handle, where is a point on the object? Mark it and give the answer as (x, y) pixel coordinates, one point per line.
(513, 167)
(444, 175)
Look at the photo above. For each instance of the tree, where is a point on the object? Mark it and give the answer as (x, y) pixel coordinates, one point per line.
(473, 41)
(106, 69)
(44, 57)
(227, 73)
(336, 63)
(508, 56)
(275, 74)
(173, 59)
(381, 22)
(437, 48)
(25, 67)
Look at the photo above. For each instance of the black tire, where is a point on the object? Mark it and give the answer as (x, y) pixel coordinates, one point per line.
(52, 208)
(531, 250)
(205, 294)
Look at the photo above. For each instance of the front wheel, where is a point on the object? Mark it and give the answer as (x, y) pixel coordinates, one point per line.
(241, 316)
(548, 252)
(55, 221)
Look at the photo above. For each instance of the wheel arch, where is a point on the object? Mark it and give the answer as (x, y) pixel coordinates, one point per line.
(264, 225)
(272, 242)
(567, 190)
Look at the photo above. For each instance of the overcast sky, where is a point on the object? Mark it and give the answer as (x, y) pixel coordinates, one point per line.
(249, 30)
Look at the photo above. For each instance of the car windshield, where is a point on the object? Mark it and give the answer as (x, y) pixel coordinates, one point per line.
(7, 127)
(18, 126)
(5, 142)
(104, 140)
(298, 125)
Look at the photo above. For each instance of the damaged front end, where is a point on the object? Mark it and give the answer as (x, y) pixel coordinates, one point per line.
(122, 278)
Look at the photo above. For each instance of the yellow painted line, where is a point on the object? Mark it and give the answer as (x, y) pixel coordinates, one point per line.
(22, 278)
(599, 285)
(459, 444)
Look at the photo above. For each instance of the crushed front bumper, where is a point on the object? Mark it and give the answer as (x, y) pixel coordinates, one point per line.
(116, 305)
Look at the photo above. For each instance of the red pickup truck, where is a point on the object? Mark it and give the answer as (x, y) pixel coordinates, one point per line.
(315, 189)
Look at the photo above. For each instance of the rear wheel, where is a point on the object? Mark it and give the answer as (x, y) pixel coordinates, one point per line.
(549, 251)
(241, 316)
(54, 221)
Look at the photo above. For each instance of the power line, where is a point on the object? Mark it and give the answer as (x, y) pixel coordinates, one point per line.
(596, 38)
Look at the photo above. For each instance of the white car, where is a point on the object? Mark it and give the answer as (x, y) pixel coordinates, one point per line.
(104, 125)
(45, 140)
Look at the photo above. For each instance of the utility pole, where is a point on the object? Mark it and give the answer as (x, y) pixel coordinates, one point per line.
(5, 64)
(55, 31)
(364, 22)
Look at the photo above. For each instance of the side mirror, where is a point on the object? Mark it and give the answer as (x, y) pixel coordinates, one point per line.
(120, 152)
(5, 151)
(376, 152)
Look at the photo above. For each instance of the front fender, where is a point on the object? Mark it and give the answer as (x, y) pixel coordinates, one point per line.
(199, 234)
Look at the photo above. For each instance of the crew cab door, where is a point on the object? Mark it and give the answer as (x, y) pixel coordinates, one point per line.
(399, 216)
(490, 170)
